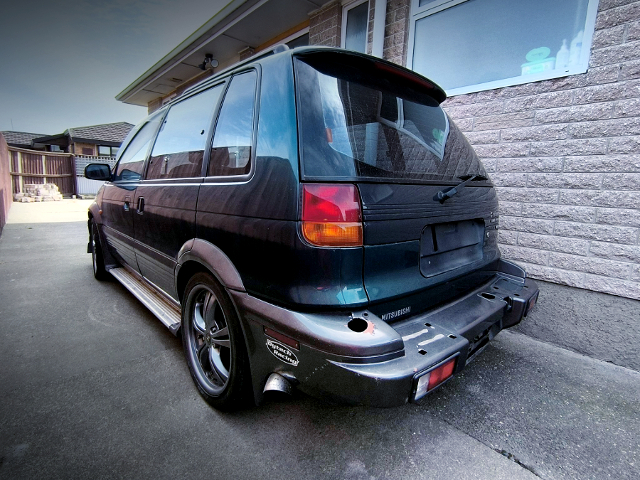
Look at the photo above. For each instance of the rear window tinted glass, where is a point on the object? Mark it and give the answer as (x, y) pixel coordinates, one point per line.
(353, 128)
(179, 148)
(132, 160)
(231, 149)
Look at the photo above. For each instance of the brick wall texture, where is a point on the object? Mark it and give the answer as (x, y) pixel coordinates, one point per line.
(325, 25)
(396, 31)
(77, 148)
(564, 155)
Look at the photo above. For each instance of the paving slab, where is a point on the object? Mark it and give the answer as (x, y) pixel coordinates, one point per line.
(67, 210)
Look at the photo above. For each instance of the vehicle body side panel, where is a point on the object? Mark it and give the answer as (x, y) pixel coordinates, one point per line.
(167, 222)
(213, 259)
(308, 279)
(254, 221)
(118, 210)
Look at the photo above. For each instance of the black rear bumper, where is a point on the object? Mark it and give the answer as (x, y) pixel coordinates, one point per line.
(381, 364)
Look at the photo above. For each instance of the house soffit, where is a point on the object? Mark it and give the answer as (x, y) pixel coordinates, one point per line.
(241, 24)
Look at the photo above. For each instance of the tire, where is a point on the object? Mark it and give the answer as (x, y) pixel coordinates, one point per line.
(214, 344)
(99, 271)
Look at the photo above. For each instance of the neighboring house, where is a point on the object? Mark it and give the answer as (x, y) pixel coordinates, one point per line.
(548, 92)
(95, 140)
(23, 140)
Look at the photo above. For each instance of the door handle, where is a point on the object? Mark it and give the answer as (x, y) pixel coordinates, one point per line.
(140, 205)
(127, 203)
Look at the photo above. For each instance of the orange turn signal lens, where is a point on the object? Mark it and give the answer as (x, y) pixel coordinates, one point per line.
(333, 234)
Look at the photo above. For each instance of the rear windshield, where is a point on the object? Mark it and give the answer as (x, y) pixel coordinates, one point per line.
(358, 125)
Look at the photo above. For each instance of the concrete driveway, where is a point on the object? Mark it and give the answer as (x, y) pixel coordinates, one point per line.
(93, 386)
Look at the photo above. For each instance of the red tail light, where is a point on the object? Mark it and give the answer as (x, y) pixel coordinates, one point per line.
(331, 215)
(434, 378)
(440, 374)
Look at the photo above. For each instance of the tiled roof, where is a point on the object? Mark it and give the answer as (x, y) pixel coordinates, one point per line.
(108, 132)
(20, 138)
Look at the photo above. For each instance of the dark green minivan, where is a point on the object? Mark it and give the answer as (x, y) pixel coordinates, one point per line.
(310, 219)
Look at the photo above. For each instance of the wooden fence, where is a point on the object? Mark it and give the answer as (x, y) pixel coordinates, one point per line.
(31, 166)
(5, 183)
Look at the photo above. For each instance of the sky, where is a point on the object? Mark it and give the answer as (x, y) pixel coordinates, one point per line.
(62, 62)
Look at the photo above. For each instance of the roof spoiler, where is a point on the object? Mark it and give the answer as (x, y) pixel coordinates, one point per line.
(378, 65)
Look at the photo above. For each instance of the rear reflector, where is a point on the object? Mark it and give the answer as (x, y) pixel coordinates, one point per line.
(531, 303)
(440, 374)
(331, 215)
(434, 378)
(283, 338)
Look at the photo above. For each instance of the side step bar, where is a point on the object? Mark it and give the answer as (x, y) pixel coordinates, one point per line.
(167, 313)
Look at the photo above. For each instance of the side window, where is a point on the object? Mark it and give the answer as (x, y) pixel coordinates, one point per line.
(179, 148)
(231, 149)
(132, 160)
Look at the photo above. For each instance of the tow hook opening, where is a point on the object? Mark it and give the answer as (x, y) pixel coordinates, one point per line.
(358, 325)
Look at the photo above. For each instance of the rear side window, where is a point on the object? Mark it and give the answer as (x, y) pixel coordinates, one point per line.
(357, 125)
(179, 148)
(132, 160)
(231, 149)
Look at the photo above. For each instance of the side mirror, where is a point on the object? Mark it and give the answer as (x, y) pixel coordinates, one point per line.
(98, 171)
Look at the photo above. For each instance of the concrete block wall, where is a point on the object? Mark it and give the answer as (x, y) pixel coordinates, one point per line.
(565, 157)
(325, 25)
(396, 31)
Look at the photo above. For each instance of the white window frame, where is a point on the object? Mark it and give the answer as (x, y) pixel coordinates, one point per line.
(418, 13)
(346, 6)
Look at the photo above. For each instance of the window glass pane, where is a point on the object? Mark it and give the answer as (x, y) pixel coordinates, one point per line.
(179, 148)
(481, 41)
(102, 150)
(301, 41)
(361, 126)
(231, 150)
(132, 160)
(356, 34)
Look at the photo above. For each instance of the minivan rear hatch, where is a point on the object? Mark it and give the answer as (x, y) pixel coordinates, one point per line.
(429, 210)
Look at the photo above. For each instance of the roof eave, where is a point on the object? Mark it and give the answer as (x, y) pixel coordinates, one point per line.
(49, 138)
(198, 37)
(93, 141)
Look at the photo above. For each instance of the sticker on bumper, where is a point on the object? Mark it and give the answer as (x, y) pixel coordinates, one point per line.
(282, 353)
